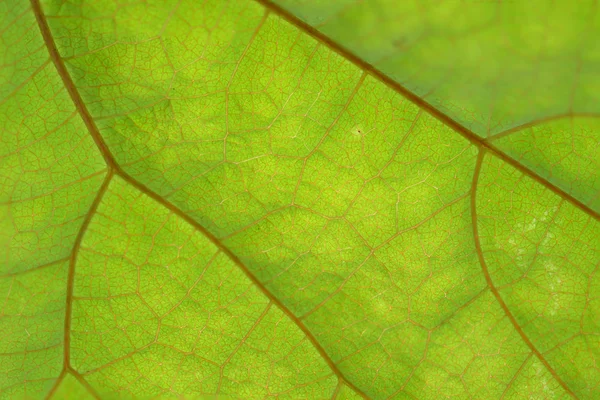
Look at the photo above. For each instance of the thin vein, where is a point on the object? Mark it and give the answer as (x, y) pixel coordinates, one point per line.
(514, 378)
(241, 343)
(56, 384)
(24, 82)
(71, 273)
(337, 389)
(69, 84)
(26, 351)
(37, 268)
(491, 285)
(109, 159)
(54, 190)
(84, 383)
(434, 112)
(233, 74)
(236, 260)
(374, 250)
(538, 122)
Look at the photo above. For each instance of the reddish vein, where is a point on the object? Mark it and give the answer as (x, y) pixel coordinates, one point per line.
(538, 122)
(77, 376)
(72, 262)
(483, 145)
(447, 120)
(491, 285)
(69, 84)
(114, 168)
(67, 368)
(236, 260)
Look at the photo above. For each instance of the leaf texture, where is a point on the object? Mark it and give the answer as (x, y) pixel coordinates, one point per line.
(492, 67)
(233, 199)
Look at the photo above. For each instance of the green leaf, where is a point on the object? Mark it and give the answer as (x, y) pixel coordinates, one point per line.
(246, 200)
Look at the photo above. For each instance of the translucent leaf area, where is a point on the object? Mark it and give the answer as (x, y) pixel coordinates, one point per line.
(491, 67)
(250, 200)
(489, 64)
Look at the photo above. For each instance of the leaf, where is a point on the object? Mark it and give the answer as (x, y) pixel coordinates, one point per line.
(221, 200)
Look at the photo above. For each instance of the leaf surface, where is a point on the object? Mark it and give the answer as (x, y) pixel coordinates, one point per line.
(493, 67)
(216, 199)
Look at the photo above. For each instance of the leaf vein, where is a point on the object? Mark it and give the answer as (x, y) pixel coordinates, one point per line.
(468, 134)
(493, 288)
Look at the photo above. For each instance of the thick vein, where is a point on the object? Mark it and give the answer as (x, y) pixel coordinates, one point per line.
(69, 84)
(236, 260)
(57, 383)
(491, 285)
(110, 161)
(483, 145)
(468, 134)
(114, 168)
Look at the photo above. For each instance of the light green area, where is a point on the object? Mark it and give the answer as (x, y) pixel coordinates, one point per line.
(160, 311)
(565, 151)
(543, 256)
(491, 65)
(71, 389)
(210, 119)
(345, 201)
(50, 171)
(475, 354)
(49, 166)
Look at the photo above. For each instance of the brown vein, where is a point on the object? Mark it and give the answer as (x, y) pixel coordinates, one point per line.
(114, 168)
(483, 145)
(514, 378)
(241, 343)
(36, 268)
(67, 368)
(26, 351)
(56, 385)
(491, 285)
(84, 383)
(25, 82)
(72, 262)
(69, 84)
(77, 376)
(538, 122)
(232, 77)
(236, 260)
(337, 389)
(447, 120)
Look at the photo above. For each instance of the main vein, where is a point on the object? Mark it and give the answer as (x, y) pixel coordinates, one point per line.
(446, 119)
(114, 168)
